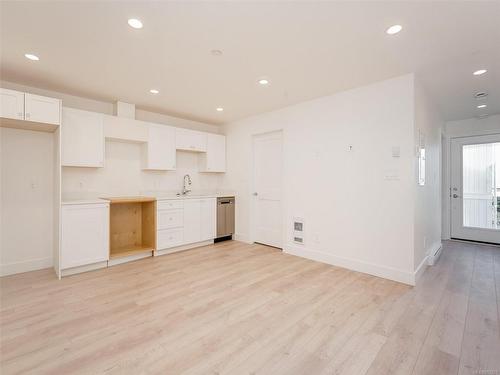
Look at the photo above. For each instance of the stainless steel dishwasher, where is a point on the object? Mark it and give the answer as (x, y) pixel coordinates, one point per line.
(225, 218)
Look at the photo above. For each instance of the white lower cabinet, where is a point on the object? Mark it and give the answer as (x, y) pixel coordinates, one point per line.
(84, 234)
(208, 214)
(186, 221)
(167, 238)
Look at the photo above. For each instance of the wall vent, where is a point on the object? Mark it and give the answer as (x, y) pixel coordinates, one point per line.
(298, 230)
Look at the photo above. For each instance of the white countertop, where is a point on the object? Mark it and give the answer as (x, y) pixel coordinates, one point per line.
(81, 198)
(159, 195)
(93, 198)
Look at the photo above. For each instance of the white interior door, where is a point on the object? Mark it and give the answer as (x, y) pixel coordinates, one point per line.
(268, 217)
(475, 188)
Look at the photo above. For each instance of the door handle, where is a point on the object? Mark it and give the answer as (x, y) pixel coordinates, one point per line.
(255, 194)
(456, 196)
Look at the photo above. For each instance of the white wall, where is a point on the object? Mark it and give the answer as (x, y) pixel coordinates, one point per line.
(357, 214)
(107, 108)
(27, 214)
(462, 128)
(27, 200)
(122, 175)
(427, 200)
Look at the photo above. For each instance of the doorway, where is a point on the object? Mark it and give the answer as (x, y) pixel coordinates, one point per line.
(475, 188)
(267, 194)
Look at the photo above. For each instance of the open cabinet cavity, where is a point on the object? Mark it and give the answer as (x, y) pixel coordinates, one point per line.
(132, 226)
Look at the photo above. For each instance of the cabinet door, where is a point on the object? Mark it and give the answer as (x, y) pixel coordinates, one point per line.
(215, 158)
(208, 219)
(84, 234)
(42, 109)
(82, 138)
(190, 140)
(192, 221)
(160, 153)
(11, 104)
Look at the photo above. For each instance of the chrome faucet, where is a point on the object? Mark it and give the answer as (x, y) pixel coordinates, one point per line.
(187, 182)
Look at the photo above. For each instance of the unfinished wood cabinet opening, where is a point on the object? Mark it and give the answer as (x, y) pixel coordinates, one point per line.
(132, 226)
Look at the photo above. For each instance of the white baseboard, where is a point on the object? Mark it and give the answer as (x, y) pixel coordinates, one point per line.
(242, 238)
(182, 248)
(86, 268)
(435, 253)
(130, 258)
(420, 269)
(352, 264)
(25, 266)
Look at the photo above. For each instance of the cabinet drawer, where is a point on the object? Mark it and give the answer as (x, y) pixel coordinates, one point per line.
(170, 219)
(169, 238)
(170, 205)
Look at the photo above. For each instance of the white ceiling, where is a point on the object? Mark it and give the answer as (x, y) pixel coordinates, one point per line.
(306, 49)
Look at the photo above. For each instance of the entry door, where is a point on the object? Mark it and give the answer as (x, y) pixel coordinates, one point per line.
(475, 188)
(268, 217)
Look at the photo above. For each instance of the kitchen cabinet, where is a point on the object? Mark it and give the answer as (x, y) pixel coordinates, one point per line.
(82, 138)
(190, 140)
(159, 152)
(11, 104)
(42, 109)
(21, 110)
(214, 160)
(84, 234)
(199, 220)
(192, 220)
(185, 221)
(208, 214)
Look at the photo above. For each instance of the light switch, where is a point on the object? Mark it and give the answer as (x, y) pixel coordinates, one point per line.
(396, 152)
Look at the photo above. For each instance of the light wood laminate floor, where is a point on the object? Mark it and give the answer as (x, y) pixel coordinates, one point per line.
(234, 308)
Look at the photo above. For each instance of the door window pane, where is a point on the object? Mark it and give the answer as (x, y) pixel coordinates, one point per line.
(481, 185)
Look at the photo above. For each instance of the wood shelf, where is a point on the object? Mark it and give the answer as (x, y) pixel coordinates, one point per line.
(132, 226)
(127, 251)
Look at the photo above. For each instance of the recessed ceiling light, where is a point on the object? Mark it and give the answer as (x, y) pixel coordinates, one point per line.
(154, 91)
(479, 72)
(394, 29)
(263, 82)
(135, 23)
(216, 52)
(219, 109)
(31, 56)
(482, 106)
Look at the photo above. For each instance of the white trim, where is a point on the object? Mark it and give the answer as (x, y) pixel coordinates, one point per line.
(25, 266)
(420, 269)
(352, 264)
(182, 248)
(85, 268)
(242, 238)
(435, 253)
(130, 258)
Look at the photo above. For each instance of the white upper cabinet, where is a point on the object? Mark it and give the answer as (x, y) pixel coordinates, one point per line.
(190, 140)
(214, 160)
(82, 138)
(11, 104)
(42, 109)
(159, 151)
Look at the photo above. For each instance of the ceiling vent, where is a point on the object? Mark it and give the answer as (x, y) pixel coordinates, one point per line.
(481, 95)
